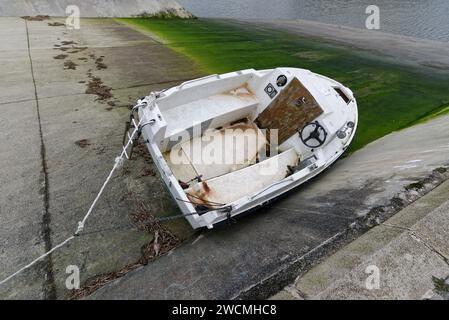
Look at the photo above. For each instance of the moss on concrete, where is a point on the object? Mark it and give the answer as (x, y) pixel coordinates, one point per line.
(439, 111)
(390, 96)
(441, 285)
(166, 14)
(441, 170)
(415, 186)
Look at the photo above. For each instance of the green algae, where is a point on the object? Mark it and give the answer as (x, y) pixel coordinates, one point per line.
(390, 95)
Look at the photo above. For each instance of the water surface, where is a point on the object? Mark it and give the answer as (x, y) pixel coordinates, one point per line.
(427, 19)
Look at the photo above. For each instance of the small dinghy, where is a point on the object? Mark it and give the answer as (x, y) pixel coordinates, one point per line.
(226, 144)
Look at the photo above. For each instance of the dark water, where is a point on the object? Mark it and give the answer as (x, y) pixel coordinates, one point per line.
(427, 19)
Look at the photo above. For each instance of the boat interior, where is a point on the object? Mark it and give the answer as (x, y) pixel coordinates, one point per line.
(231, 138)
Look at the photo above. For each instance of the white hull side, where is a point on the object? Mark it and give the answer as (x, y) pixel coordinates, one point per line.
(319, 158)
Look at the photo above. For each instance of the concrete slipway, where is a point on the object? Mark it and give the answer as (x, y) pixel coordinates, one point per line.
(48, 182)
(97, 8)
(58, 145)
(272, 247)
(409, 252)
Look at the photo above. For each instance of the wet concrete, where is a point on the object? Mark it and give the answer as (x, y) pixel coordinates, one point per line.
(267, 250)
(408, 251)
(49, 181)
(255, 257)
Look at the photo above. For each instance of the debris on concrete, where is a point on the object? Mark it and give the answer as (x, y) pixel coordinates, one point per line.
(70, 65)
(441, 170)
(56, 24)
(163, 241)
(140, 152)
(96, 86)
(74, 49)
(148, 172)
(60, 56)
(441, 286)
(36, 18)
(66, 43)
(82, 143)
(99, 281)
(100, 64)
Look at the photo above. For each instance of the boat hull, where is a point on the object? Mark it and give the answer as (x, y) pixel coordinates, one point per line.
(335, 116)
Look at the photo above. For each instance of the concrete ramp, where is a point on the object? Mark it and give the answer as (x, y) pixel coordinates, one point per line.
(91, 8)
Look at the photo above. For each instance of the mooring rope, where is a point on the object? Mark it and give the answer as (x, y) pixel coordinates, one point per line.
(118, 163)
(38, 259)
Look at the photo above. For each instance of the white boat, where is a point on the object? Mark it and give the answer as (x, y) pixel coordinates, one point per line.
(226, 144)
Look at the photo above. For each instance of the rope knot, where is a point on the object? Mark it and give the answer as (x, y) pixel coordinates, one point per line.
(80, 228)
(119, 161)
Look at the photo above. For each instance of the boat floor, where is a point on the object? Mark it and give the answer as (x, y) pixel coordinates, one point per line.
(228, 162)
(244, 182)
(216, 152)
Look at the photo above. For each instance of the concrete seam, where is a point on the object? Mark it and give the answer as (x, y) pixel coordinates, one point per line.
(82, 93)
(16, 101)
(295, 292)
(395, 226)
(49, 284)
(419, 238)
(152, 84)
(430, 247)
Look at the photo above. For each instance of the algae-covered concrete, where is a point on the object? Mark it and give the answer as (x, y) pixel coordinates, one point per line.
(392, 91)
(59, 143)
(98, 8)
(268, 249)
(407, 49)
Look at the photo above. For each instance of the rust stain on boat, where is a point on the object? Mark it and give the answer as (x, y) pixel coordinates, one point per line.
(206, 187)
(200, 197)
(243, 91)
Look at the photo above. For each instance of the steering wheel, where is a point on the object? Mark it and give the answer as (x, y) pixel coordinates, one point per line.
(313, 135)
